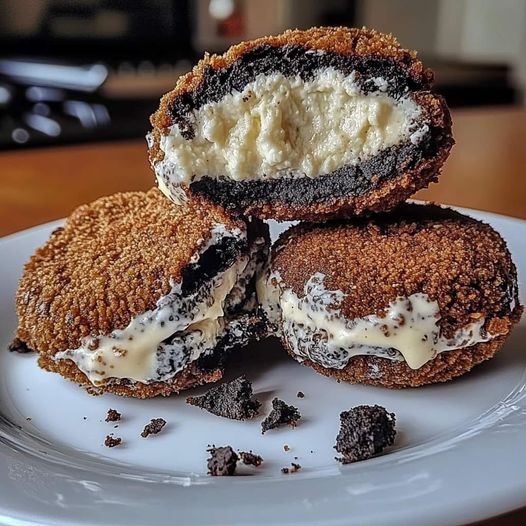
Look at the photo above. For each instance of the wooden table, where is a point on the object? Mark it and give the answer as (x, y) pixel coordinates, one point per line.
(486, 170)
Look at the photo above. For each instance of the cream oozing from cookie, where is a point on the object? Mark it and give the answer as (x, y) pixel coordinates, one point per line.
(316, 330)
(281, 126)
(158, 344)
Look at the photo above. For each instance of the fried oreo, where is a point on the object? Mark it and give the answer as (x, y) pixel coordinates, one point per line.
(139, 297)
(304, 125)
(415, 296)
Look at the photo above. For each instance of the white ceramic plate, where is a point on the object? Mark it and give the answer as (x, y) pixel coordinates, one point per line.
(459, 454)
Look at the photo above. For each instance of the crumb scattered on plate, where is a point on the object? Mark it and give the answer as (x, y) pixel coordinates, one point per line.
(154, 427)
(112, 441)
(250, 459)
(222, 461)
(230, 400)
(17, 345)
(281, 414)
(365, 431)
(300, 394)
(113, 416)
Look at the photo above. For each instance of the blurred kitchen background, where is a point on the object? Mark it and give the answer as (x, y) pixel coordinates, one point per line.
(75, 71)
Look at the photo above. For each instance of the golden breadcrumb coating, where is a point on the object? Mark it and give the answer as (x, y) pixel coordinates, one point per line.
(112, 260)
(372, 370)
(461, 263)
(190, 376)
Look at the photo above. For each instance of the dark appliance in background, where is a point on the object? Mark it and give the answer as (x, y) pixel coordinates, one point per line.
(88, 69)
(92, 70)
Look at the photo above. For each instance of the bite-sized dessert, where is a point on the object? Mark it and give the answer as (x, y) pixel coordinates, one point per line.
(230, 400)
(138, 297)
(365, 431)
(281, 414)
(304, 125)
(402, 299)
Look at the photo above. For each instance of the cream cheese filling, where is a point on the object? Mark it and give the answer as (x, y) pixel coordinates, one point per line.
(282, 126)
(317, 331)
(140, 352)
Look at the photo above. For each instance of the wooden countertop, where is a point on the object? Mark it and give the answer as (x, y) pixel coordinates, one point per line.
(486, 171)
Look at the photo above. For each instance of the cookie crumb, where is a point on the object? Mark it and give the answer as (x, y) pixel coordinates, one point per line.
(365, 431)
(18, 346)
(112, 441)
(250, 459)
(300, 395)
(232, 400)
(286, 448)
(222, 461)
(113, 416)
(154, 427)
(281, 414)
(28, 419)
(294, 469)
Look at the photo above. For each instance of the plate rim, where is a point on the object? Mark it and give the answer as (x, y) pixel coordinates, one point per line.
(512, 502)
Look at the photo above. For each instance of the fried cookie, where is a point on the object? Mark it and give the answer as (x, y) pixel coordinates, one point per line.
(139, 297)
(304, 125)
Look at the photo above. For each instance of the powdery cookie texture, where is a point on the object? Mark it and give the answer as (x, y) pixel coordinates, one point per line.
(305, 125)
(138, 297)
(402, 299)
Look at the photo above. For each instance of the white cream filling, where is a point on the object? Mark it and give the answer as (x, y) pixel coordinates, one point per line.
(280, 126)
(316, 330)
(139, 351)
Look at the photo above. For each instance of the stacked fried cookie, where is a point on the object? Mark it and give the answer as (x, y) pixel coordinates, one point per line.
(144, 294)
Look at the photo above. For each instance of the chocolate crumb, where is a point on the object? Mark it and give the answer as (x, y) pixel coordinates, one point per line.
(286, 448)
(113, 416)
(295, 467)
(364, 432)
(281, 414)
(250, 459)
(28, 419)
(229, 400)
(154, 427)
(84, 418)
(17, 345)
(112, 441)
(300, 395)
(222, 461)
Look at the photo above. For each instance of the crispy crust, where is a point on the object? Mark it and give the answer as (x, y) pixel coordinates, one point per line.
(111, 262)
(190, 376)
(383, 372)
(461, 263)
